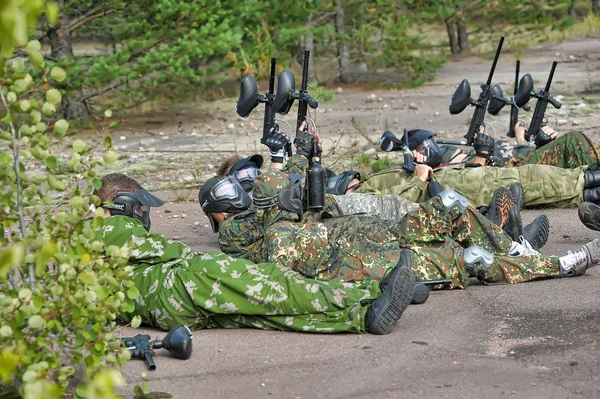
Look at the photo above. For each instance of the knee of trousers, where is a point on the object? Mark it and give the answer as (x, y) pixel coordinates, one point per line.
(451, 199)
(478, 261)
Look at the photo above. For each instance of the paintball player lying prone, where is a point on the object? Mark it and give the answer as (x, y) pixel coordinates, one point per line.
(205, 290)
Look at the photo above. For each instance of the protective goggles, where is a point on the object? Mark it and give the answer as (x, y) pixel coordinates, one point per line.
(247, 173)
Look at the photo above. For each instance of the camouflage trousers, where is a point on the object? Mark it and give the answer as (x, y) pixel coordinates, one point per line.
(569, 151)
(437, 239)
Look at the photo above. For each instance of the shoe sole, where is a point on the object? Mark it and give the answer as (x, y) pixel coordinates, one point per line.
(586, 212)
(541, 236)
(593, 249)
(397, 296)
(499, 207)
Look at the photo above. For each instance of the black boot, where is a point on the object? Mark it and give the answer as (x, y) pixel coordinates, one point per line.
(536, 233)
(591, 178)
(592, 194)
(589, 214)
(514, 225)
(518, 194)
(397, 290)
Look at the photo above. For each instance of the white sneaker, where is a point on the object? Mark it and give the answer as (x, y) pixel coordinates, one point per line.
(522, 249)
(576, 263)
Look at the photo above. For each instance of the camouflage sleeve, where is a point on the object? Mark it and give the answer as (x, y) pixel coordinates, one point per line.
(241, 236)
(297, 164)
(143, 246)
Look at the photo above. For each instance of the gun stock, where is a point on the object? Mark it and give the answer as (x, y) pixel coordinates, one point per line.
(482, 102)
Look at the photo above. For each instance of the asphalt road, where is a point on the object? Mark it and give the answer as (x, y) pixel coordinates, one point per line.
(533, 340)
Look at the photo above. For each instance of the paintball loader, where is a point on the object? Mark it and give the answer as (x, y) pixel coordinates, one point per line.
(178, 341)
(462, 98)
(538, 119)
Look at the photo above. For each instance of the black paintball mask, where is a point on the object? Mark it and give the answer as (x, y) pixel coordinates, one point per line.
(424, 143)
(338, 185)
(245, 171)
(223, 194)
(135, 204)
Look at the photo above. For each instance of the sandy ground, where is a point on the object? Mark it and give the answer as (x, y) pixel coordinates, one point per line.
(535, 340)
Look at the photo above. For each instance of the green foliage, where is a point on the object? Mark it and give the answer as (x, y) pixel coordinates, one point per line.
(59, 291)
(380, 165)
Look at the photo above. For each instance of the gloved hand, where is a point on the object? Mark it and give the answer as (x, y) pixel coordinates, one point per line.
(277, 142)
(484, 145)
(304, 143)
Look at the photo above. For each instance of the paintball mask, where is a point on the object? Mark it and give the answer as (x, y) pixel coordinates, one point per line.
(245, 171)
(135, 204)
(423, 142)
(223, 194)
(339, 185)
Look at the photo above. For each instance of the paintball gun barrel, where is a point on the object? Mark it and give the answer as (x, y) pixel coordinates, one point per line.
(304, 98)
(538, 119)
(483, 100)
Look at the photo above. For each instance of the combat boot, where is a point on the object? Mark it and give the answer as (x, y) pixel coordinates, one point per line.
(514, 225)
(592, 194)
(591, 178)
(517, 194)
(499, 207)
(576, 263)
(397, 289)
(536, 232)
(589, 214)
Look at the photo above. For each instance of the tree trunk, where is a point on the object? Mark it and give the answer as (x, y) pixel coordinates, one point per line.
(463, 39)
(309, 44)
(342, 47)
(595, 7)
(452, 37)
(61, 48)
(571, 9)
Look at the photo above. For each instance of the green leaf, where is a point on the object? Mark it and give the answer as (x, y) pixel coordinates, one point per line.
(51, 162)
(133, 293)
(35, 117)
(52, 13)
(113, 125)
(136, 321)
(48, 109)
(107, 142)
(8, 364)
(60, 127)
(77, 202)
(108, 113)
(18, 64)
(11, 97)
(33, 45)
(37, 59)
(20, 85)
(53, 96)
(58, 74)
(110, 157)
(36, 322)
(10, 256)
(24, 105)
(6, 331)
(79, 145)
(88, 278)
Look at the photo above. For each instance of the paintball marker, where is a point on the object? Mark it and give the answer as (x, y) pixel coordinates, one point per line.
(409, 161)
(462, 98)
(514, 110)
(538, 119)
(178, 341)
(315, 174)
(249, 99)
